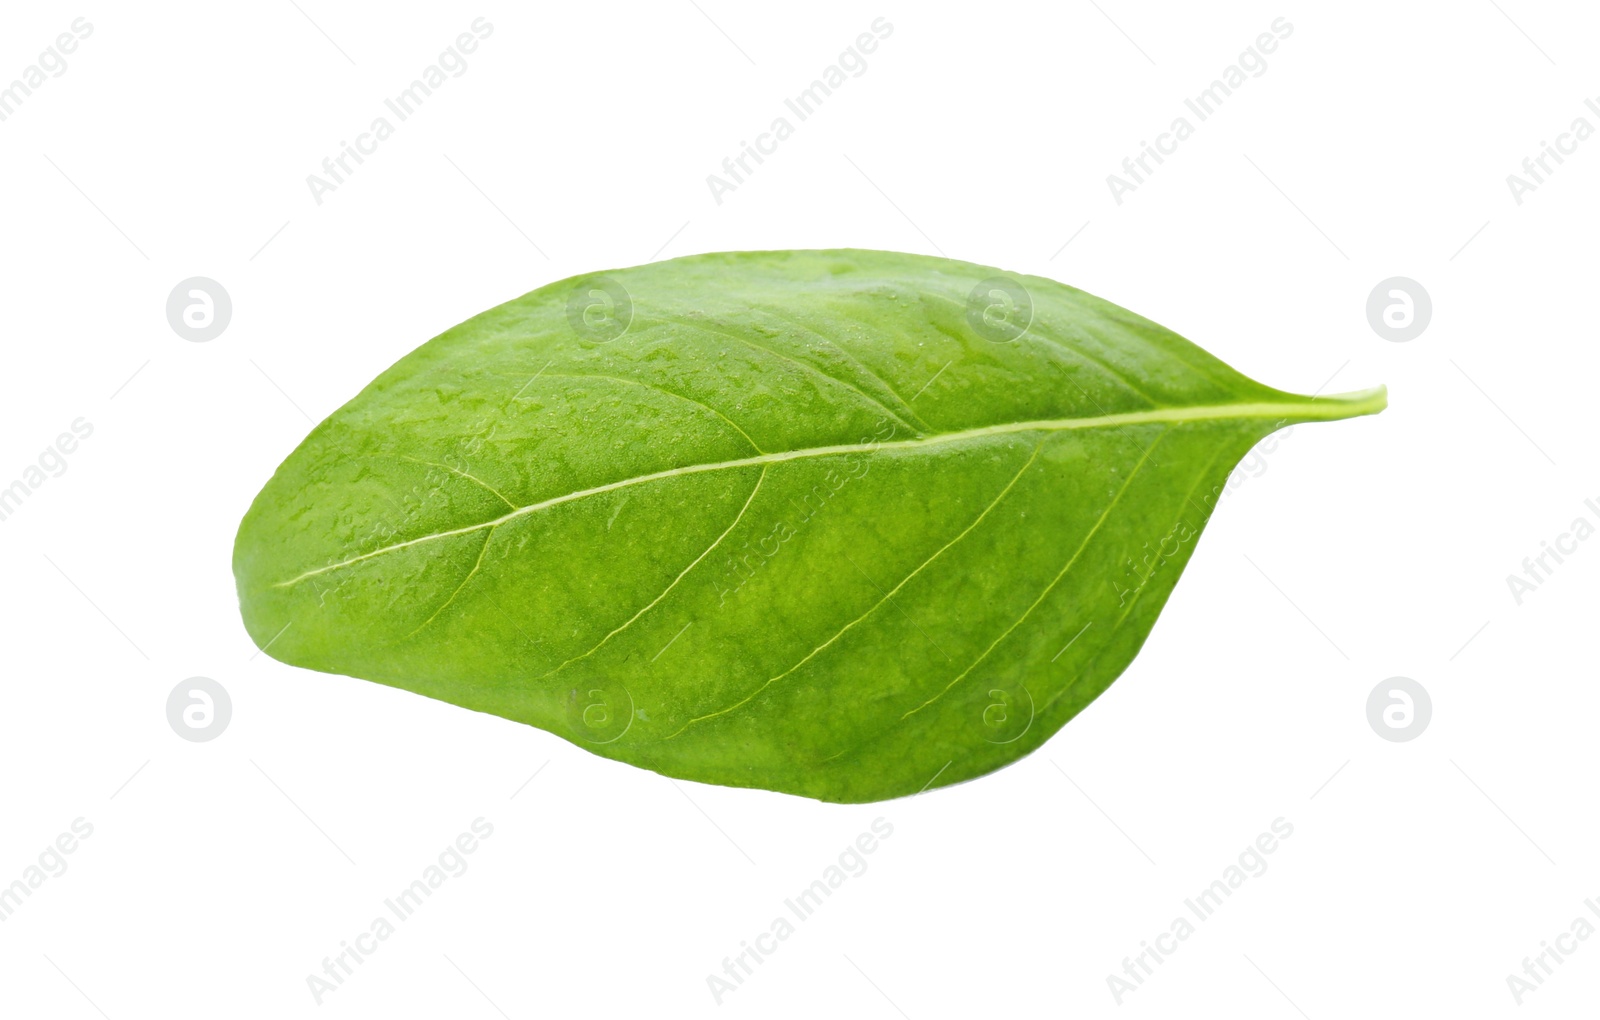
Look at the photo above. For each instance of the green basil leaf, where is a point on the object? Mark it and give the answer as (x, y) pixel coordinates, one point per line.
(842, 524)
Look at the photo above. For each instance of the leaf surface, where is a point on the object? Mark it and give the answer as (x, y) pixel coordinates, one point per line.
(845, 524)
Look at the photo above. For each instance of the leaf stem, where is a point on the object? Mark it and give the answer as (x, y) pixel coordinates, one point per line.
(1337, 406)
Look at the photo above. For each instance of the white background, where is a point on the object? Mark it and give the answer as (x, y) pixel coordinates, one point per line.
(1376, 143)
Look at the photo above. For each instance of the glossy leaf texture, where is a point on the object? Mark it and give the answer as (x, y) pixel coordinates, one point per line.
(844, 524)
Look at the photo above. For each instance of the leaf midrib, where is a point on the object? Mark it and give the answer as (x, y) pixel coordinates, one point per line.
(1311, 409)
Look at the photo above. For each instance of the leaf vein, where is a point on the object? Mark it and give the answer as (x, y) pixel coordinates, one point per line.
(682, 574)
(814, 370)
(470, 575)
(876, 605)
(1324, 409)
(1099, 522)
(1081, 355)
(853, 360)
(464, 474)
(651, 386)
(1115, 627)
